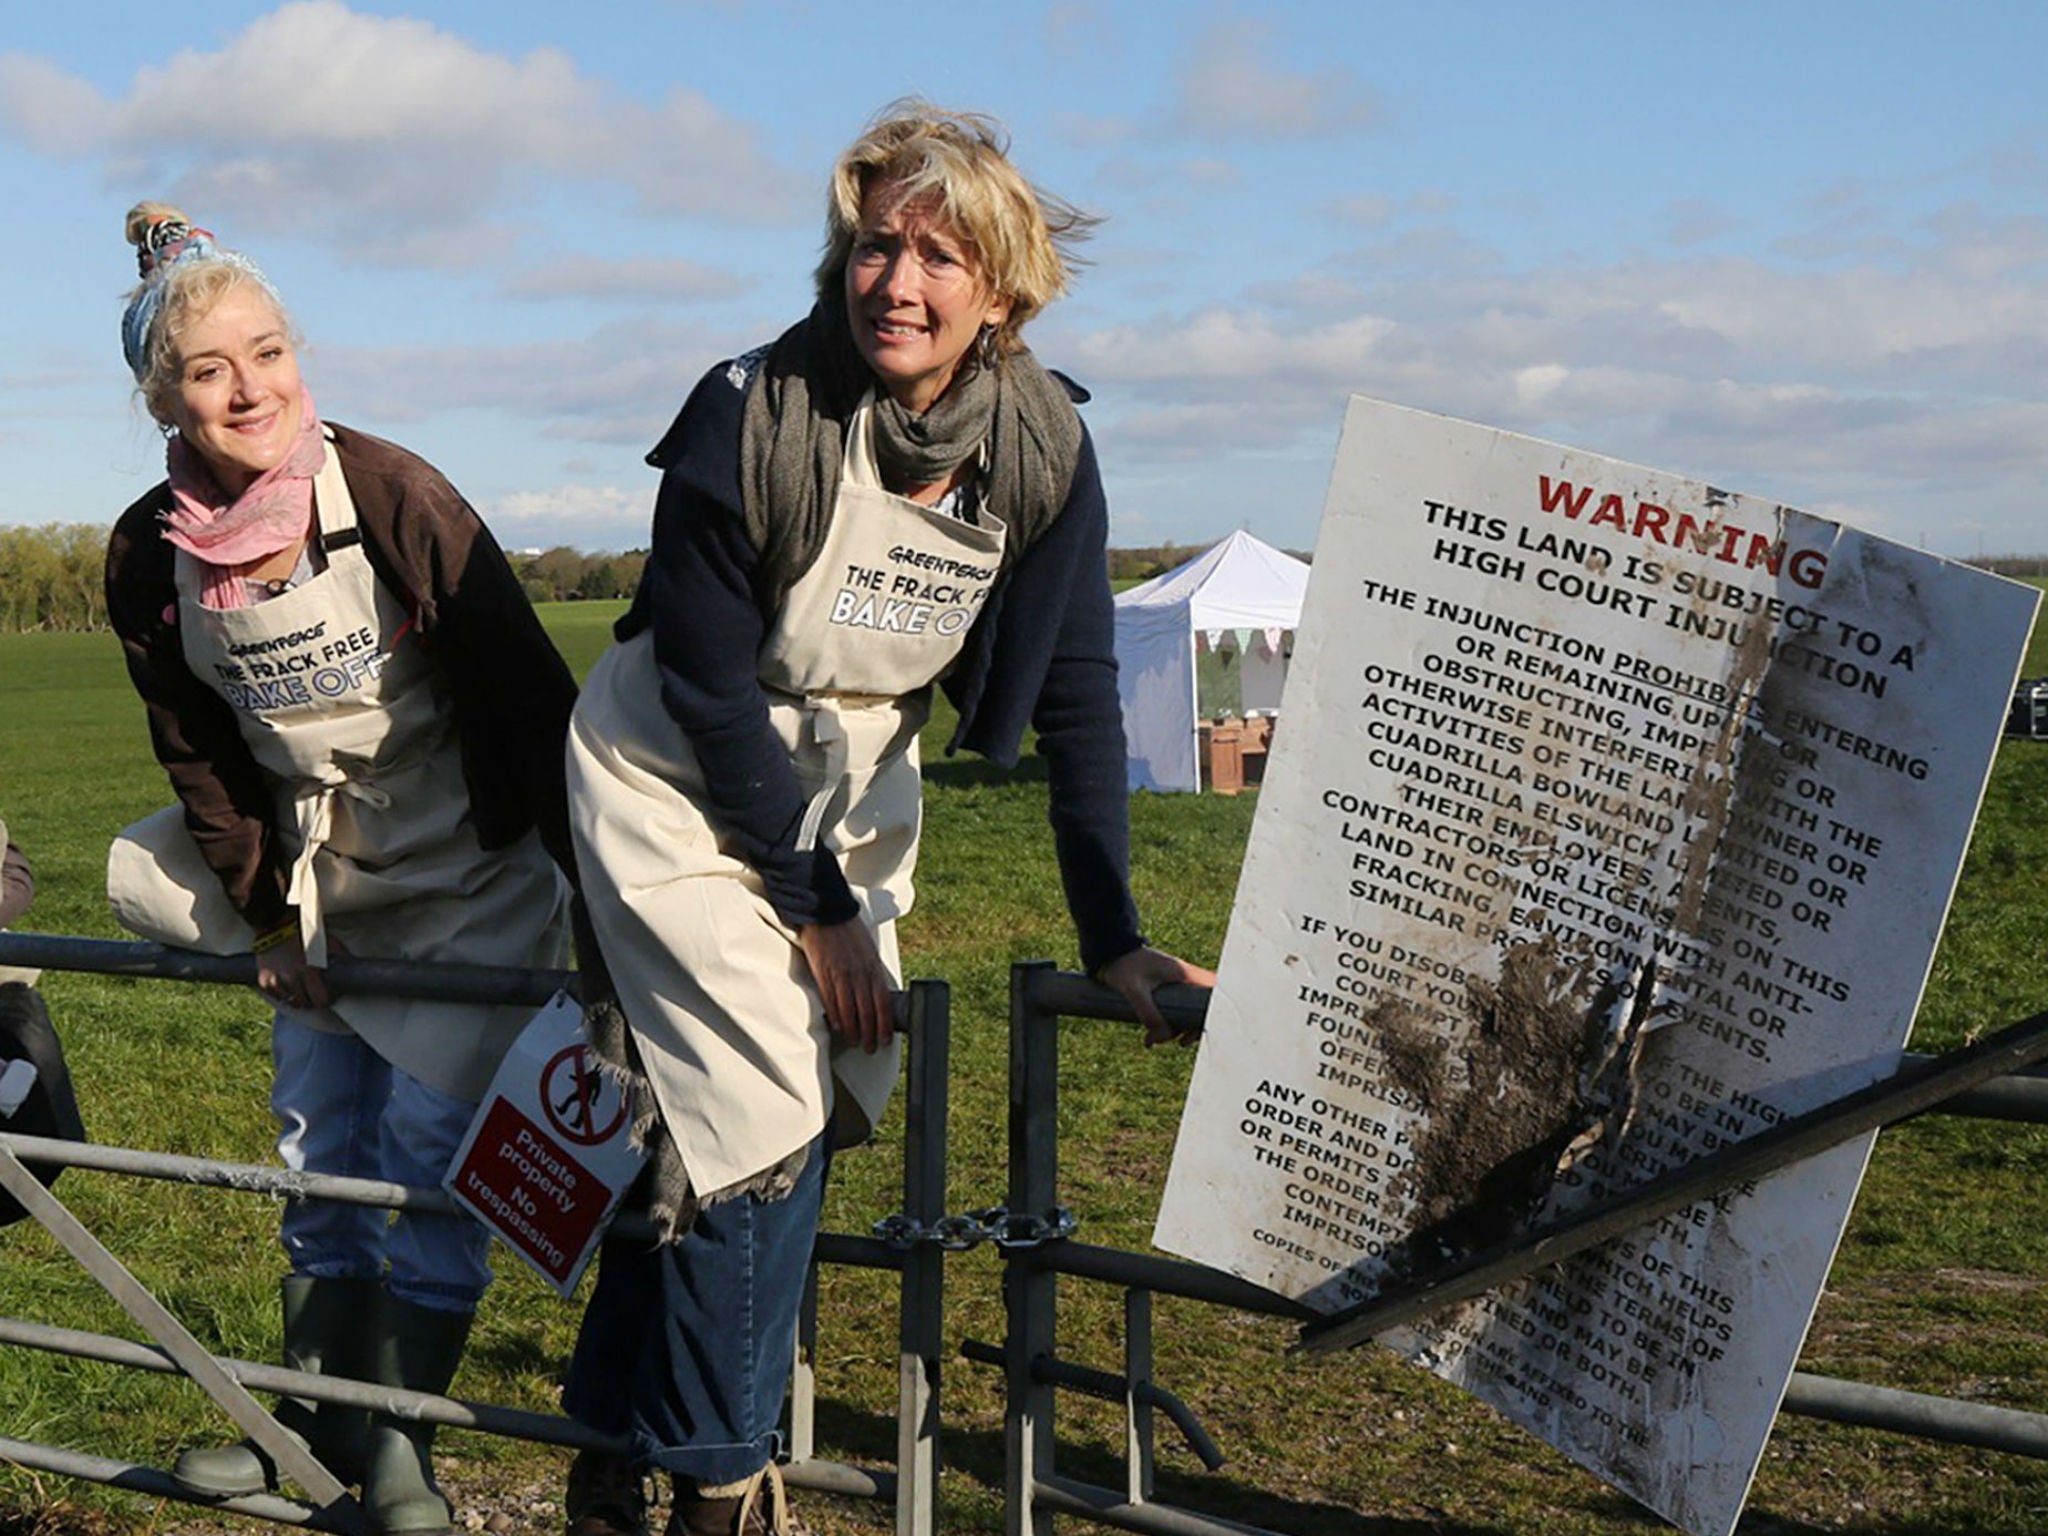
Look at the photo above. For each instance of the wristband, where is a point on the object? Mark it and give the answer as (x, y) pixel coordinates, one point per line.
(282, 933)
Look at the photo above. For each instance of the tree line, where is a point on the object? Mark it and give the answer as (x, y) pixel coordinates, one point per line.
(51, 576)
(565, 575)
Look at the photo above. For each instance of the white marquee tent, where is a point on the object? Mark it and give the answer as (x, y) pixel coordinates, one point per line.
(1241, 595)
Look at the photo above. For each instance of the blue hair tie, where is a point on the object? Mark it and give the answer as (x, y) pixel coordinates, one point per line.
(166, 245)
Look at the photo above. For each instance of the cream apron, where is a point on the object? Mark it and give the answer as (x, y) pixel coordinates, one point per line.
(712, 981)
(340, 704)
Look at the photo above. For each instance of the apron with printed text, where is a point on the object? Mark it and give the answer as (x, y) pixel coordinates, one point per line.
(714, 984)
(339, 702)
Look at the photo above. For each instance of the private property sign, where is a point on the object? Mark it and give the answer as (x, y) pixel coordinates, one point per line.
(547, 1156)
(1614, 818)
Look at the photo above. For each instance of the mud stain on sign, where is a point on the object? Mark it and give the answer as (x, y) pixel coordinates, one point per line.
(1543, 1068)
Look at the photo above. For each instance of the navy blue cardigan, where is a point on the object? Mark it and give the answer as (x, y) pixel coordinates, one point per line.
(1042, 652)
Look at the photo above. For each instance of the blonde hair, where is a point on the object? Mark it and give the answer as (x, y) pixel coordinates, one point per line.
(1022, 239)
(175, 292)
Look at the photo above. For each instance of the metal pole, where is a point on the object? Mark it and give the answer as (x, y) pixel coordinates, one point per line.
(1139, 1443)
(425, 1407)
(1057, 992)
(1169, 1277)
(129, 1476)
(436, 981)
(1918, 1413)
(292, 1457)
(1105, 1506)
(921, 1314)
(1912, 1091)
(1030, 1294)
(803, 1374)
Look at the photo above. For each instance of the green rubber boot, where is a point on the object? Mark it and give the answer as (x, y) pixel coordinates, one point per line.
(329, 1329)
(417, 1348)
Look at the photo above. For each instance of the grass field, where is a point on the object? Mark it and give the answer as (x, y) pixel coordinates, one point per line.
(1938, 1286)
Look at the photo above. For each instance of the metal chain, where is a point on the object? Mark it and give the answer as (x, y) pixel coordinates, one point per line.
(996, 1224)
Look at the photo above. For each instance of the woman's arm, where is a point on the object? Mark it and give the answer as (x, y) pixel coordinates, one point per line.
(1079, 720)
(227, 797)
(698, 596)
(508, 686)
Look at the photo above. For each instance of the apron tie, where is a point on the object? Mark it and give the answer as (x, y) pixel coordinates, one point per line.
(829, 732)
(313, 815)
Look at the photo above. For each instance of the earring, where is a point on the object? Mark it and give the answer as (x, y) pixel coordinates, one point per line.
(985, 346)
(167, 430)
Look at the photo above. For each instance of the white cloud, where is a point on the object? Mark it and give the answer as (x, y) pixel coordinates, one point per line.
(53, 112)
(1229, 88)
(398, 140)
(1235, 347)
(1900, 388)
(644, 278)
(591, 518)
(620, 386)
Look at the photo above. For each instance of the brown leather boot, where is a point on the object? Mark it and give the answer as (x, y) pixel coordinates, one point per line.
(758, 1506)
(606, 1496)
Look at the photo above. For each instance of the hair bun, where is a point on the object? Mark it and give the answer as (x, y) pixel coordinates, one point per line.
(158, 231)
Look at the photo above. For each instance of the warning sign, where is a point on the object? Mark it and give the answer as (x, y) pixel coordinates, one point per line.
(547, 1157)
(1615, 821)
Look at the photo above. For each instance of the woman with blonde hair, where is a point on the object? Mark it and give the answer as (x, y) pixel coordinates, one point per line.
(363, 720)
(894, 494)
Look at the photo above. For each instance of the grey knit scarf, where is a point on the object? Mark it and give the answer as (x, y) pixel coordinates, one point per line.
(793, 438)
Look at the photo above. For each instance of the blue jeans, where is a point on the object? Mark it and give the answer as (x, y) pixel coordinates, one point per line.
(686, 1347)
(341, 1108)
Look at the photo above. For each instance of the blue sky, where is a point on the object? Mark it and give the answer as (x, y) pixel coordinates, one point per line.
(1797, 249)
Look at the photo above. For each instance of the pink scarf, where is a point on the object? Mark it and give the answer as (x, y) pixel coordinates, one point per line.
(273, 514)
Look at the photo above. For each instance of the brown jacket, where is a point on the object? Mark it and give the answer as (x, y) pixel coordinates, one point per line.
(509, 688)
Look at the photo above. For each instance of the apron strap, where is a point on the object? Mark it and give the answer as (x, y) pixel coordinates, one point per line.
(313, 813)
(829, 732)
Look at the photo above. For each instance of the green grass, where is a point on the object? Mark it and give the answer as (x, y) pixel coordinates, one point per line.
(1938, 1286)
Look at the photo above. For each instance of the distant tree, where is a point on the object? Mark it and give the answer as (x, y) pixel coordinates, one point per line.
(563, 574)
(51, 577)
(601, 578)
(558, 569)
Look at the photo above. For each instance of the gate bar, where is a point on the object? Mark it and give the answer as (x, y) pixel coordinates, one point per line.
(921, 1011)
(1913, 1090)
(1947, 1419)
(1106, 1507)
(133, 1478)
(262, 1178)
(293, 1459)
(433, 981)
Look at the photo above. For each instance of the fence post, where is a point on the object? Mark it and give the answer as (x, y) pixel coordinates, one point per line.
(1031, 1293)
(921, 1324)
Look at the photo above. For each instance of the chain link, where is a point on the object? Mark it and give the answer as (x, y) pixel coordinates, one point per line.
(996, 1224)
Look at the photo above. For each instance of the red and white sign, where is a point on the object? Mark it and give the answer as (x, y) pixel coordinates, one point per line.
(547, 1156)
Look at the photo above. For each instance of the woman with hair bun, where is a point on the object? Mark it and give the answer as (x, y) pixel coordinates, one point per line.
(362, 719)
(895, 493)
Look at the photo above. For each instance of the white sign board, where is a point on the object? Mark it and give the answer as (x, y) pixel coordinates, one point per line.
(549, 1152)
(1611, 818)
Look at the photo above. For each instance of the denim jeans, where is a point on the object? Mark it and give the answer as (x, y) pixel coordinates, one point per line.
(686, 1347)
(341, 1108)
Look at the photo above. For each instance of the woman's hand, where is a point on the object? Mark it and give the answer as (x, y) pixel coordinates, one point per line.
(283, 976)
(1138, 972)
(855, 985)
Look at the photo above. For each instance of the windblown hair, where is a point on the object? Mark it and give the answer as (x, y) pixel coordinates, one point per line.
(957, 164)
(191, 285)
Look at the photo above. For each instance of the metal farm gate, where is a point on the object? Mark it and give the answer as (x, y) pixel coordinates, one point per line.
(1033, 1233)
